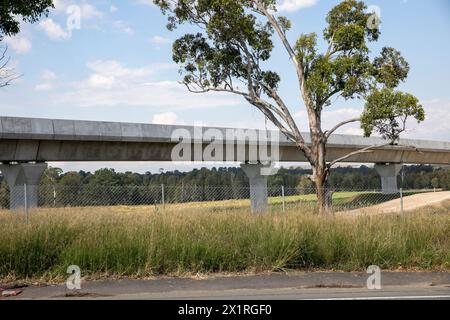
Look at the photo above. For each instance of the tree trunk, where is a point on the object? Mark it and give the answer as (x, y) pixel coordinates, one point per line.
(324, 195)
(318, 156)
(320, 178)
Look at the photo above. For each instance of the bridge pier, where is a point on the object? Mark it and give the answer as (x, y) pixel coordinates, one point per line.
(388, 173)
(20, 175)
(258, 187)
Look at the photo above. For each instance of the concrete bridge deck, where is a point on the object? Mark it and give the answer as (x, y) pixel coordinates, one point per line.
(41, 140)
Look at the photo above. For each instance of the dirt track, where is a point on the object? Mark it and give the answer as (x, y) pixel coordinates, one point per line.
(410, 203)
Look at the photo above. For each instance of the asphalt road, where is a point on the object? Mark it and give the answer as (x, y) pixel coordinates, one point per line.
(285, 286)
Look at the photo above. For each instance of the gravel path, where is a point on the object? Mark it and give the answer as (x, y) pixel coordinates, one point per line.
(410, 203)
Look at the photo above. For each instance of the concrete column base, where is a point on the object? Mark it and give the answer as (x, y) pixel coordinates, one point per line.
(388, 173)
(20, 175)
(258, 187)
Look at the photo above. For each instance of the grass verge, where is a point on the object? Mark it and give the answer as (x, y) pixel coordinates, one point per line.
(141, 241)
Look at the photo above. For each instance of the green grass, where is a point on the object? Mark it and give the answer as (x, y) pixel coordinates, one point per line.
(342, 200)
(142, 241)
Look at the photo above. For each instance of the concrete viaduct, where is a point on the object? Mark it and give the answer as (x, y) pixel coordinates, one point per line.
(26, 144)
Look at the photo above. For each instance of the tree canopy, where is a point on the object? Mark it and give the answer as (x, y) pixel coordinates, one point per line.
(12, 12)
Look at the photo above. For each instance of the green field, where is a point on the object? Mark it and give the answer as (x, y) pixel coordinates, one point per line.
(341, 201)
(146, 241)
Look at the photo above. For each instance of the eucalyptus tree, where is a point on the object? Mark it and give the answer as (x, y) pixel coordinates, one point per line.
(234, 42)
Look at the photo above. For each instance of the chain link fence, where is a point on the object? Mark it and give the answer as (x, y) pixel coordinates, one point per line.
(214, 198)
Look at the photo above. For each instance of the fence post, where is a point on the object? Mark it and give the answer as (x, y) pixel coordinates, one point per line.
(54, 196)
(282, 196)
(25, 202)
(162, 197)
(401, 200)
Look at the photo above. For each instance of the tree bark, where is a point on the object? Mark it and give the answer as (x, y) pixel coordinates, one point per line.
(324, 194)
(320, 171)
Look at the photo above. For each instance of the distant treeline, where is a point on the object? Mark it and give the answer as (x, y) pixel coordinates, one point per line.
(106, 187)
(363, 178)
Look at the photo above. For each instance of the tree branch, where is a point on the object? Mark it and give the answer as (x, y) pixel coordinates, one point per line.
(6, 75)
(328, 133)
(205, 90)
(368, 150)
(298, 64)
(351, 154)
(269, 114)
(266, 108)
(288, 118)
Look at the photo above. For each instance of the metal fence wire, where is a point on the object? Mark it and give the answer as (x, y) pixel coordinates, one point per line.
(214, 197)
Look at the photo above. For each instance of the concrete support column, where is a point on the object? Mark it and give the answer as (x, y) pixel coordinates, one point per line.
(258, 186)
(388, 173)
(19, 175)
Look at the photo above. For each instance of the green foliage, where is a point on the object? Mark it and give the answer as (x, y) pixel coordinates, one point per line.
(305, 185)
(386, 112)
(105, 177)
(232, 38)
(305, 48)
(435, 182)
(350, 16)
(390, 68)
(13, 11)
(70, 179)
(285, 24)
(51, 176)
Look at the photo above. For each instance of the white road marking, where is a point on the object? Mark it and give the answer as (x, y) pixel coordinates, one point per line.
(384, 298)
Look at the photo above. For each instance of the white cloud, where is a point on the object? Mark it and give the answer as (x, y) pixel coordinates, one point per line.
(123, 27)
(48, 75)
(146, 2)
(46, 86)
(53, 30)
(19, 44)
(112, 68)
(48, 79)
(60, 5)
(165, 118)
(160, 40)
(111, 84)
(113, 8)
(158, 94)
(294, 5)
(88, 11)
(100, 81)
(437, 122)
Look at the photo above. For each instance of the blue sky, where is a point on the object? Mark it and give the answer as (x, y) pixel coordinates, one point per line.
(118, 67)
